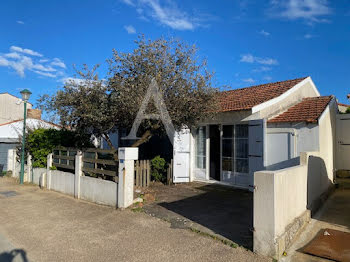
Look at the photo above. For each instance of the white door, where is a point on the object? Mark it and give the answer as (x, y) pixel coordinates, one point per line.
(256, 147)
(181, 163)
(343, 142)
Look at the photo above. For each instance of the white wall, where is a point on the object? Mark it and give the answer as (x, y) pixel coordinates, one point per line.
(62, 182)
(98, 191)
(280, 197)
(302, 137)
(4, 153)
(37, 173)
(10, 109)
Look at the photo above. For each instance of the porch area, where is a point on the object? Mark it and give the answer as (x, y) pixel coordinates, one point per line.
(221, 212)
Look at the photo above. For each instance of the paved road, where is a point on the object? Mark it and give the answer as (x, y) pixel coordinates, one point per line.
(50, 226)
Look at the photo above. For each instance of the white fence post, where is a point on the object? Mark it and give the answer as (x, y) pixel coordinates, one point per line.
(14, 160)
(78, 173)
(127, 157)
(48, 170)
(29, 169)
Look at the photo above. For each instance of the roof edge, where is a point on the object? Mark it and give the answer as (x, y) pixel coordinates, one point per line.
(277, 99)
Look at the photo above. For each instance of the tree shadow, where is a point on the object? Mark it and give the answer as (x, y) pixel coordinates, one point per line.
(225, 211)
(14, 255)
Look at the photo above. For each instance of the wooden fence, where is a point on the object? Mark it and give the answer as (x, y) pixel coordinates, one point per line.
(64, 158)
(142, 173)
(100, 163)
(169, 173)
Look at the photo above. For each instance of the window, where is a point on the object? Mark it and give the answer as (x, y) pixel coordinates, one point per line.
(235, 148)
(201, 136)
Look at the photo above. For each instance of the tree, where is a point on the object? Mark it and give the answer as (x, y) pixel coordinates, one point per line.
(98, 107)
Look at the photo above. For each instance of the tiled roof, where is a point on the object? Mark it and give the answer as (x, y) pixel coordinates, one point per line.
(308, 110)
(247, 98)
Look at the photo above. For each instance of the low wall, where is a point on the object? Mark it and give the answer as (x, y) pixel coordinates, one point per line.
(98, 191)
(283, 201)
(62, 182)
(37, 173)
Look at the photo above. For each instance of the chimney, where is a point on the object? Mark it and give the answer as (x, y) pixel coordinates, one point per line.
(34, 113)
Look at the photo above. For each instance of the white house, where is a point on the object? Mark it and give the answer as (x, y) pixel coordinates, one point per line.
(11, 108)
(263, 127)
(11, 132)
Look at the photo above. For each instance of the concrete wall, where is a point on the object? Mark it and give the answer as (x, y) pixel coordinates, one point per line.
(37, 173)
(280, 199)
(98, 191)
(10, 109)
(62, 182)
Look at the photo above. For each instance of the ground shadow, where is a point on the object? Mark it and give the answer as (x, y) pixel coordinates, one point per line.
(225, 211)
(14, 255)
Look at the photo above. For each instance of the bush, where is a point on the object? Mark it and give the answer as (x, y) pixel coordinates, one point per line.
(41, 142)
(158, 169)
(347, 110)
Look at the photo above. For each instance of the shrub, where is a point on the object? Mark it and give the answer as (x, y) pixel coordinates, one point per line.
(347, 110)
(41, 142)
(158, 169)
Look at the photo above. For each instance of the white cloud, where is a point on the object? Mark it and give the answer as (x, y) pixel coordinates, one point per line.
(262, 69)
(264, 33)
(130, 29)
(309, 10)
(58, 62)
(20, 22)
(25, 51)
(22, 60)
(267, 78)
(309, 36)
(128, 2)
(249, 80)
(249, 58)
(13, 55)
(44, 74)
(166, 13)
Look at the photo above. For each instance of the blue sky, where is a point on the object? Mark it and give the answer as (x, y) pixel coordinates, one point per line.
(246, 42)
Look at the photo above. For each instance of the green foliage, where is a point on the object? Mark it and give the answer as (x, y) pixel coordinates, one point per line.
(158, 169)
(41, 142)
(347, 110)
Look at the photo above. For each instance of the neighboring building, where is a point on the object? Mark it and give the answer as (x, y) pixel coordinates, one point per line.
(262, 127)
(11, 132)
(343, 107)
(11, 108)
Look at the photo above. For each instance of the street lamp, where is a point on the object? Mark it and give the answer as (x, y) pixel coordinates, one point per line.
(25, 97)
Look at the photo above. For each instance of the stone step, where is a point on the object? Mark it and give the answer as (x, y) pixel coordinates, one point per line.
(343, 183)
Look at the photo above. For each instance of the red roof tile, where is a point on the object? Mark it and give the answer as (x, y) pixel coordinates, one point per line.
(247, 98)
(308, 110)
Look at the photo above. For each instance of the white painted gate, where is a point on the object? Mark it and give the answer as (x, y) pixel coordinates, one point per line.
(181, 168)
(343, 142)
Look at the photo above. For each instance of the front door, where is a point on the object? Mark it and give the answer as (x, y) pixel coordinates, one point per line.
(214, 135)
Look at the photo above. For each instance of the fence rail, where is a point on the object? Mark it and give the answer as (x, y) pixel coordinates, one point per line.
(100, 162)
(142, 173)
(64, 158)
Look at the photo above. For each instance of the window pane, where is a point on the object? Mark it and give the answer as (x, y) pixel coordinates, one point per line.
(200, 147)
(227, 147)
(241, 131)
(227, 164)
(241, 148)
(227, 131)
(200, 162)
(242, 165)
